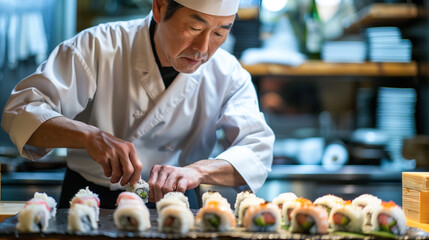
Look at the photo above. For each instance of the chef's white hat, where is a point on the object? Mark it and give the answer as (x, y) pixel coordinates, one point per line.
(212, 7)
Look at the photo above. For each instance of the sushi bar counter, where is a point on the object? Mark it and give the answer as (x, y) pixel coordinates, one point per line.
(106, 230)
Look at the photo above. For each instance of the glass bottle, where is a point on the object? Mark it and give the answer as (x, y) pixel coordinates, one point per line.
(313, 38)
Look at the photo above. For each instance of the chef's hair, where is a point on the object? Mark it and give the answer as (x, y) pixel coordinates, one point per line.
(172, 7)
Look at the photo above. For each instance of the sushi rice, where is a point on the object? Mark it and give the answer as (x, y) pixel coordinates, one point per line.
(175, 219)
(35, 215)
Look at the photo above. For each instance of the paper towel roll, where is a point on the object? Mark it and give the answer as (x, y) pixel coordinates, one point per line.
(335, 156)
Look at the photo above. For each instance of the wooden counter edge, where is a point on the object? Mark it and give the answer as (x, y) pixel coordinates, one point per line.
(10, 208)
(412, 223)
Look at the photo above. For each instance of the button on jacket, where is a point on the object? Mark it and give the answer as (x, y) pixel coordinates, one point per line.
(107, 76)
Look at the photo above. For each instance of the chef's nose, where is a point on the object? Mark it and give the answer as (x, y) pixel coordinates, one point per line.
(201, 42)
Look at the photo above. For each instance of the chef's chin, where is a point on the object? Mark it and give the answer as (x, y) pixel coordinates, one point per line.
(186, 67)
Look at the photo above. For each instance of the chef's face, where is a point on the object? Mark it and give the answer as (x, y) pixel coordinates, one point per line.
(189, 38)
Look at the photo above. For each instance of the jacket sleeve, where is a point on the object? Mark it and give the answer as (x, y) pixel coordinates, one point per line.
(42, 96)
(251, 139)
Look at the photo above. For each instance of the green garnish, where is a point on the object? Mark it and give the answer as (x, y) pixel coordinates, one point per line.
(143, 194)
(259, 221)
(306, 226)
(212, 219)
(345, 221)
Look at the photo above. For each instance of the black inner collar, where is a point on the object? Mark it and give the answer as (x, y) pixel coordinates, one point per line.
(168, 74)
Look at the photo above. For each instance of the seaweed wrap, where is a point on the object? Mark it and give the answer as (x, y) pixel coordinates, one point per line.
(309, 219)
(141, 188)
(346, 218)
(216, 216)
(81, 218)
(131, 213)
(175, 219)
(35, 215)
(263, 217)
(386, 217)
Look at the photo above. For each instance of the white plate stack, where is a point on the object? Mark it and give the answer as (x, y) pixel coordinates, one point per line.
(344, 51)
(396, 117)
(385, 44)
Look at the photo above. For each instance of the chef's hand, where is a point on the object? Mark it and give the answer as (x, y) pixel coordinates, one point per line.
(164, 179)
(117, 157)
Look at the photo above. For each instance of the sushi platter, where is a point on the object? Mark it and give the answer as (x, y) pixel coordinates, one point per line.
(107, 229)
(286, 217)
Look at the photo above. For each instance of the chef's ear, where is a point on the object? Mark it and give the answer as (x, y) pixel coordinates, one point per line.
(159, 7)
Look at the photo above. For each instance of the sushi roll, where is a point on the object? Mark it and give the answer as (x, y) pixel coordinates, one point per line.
(49, 200)
(172, 198)
(210, 195)
(284, 197)
(87, 197)
(263, 217)
(239, 199)
(346, 218)
(309, 219)
(216, 216)
(386, 217)
(175, 219)
(329, 201)
(131, 214)
(129, 196)
(244, 206)
(81, 218)
(288, 207)
(141, 188)
(34, 217)
(366, 199)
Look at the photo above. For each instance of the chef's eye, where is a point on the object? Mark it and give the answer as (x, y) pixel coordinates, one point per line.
(218, 34)
(195, 29)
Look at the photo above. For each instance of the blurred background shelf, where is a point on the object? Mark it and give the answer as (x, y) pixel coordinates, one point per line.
(383, 13)
(321, 68)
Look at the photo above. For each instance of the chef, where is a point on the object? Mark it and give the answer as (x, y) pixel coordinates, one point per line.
(144, 99)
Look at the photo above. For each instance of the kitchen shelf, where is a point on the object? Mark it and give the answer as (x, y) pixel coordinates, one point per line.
(321, 68)
(379, 14)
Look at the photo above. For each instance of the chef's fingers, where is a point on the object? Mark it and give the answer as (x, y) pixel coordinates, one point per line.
(153, 176)
(171, 182)
(105, 164)
(182, 185)
(116, 169)
(160, 182)
(127, 170)
(137, 164)
(124, 151)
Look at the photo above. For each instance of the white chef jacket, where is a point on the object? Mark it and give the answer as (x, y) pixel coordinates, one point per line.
(107, 76)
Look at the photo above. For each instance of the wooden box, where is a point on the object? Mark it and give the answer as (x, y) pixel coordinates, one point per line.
(416, 204)
(416, 180)
(415, 196)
